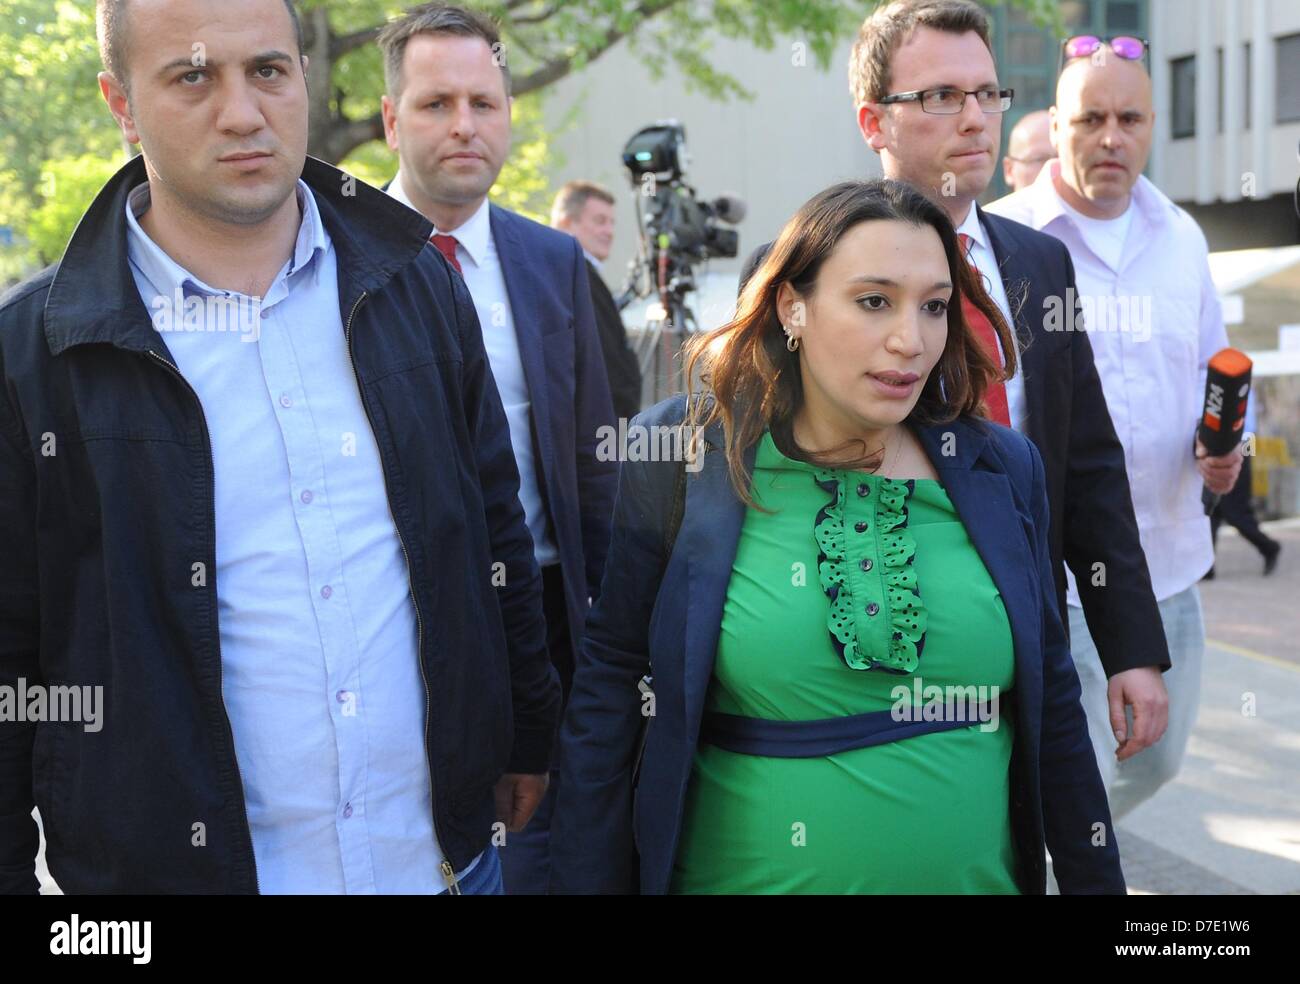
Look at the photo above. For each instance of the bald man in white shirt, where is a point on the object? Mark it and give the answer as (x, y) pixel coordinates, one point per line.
(1154, 321)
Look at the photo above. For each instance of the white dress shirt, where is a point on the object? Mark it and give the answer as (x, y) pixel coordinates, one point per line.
(1154, 323)
(981, 254)
(480, 264)
(319, 661)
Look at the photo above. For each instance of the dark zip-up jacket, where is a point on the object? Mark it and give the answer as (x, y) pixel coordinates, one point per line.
(106, 506)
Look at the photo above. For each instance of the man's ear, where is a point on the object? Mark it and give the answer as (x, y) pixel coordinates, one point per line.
(870, 119)
(119, 105)
(306, 79)
(388, 110)
(1051, 130)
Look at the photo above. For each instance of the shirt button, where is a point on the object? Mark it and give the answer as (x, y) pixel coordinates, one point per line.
(872, 608)
(285, 400)
(326, 591)
(866, 564)
(306, 496)
(347, 811)
(863, 489)
(860, 526)
(342, 696)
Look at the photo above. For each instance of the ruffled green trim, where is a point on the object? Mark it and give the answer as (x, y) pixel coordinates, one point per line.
(850, 627)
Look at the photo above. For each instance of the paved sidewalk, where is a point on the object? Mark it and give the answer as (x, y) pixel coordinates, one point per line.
(1230, 822)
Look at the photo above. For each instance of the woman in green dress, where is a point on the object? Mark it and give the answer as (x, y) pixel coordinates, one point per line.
(842, 596)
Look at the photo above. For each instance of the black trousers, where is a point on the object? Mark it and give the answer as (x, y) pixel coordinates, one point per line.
(526, 856)
(1237, 510)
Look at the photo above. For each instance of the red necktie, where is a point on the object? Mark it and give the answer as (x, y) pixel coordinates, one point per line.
(995, 397)
(447, 247)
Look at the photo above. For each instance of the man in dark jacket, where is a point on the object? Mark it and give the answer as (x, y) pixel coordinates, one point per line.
(256, 482)
(447, 114)
(585, 211)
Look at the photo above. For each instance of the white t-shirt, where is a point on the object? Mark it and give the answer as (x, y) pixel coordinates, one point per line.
(1105, 237)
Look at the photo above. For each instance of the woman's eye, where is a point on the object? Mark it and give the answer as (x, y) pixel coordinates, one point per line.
(936, 307)
(874, 302)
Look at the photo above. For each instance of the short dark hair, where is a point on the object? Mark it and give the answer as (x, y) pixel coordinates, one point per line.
(573, 198)
(436, 18)
(889, 26)
(110, 27)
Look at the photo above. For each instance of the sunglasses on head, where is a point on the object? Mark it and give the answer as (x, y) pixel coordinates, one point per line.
(1085, 45)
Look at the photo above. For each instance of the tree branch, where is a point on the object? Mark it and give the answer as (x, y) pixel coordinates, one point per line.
(557, 68)
(347, 135)
(342, 44)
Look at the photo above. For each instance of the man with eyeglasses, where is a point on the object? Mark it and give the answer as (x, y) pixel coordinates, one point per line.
(1028, 148)
(929, 102)
(1143, 268)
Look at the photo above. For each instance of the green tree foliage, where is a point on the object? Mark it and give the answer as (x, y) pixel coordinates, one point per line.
(57, 137)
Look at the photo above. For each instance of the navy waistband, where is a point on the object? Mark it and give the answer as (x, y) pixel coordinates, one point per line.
(825, 736)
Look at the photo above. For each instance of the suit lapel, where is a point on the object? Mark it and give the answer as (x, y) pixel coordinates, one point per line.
(525, 305)
(711, 532)
(1034, 347)
(987, 508)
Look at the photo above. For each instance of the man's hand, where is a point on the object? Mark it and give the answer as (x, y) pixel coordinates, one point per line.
(1220, 474)
(1143, 689)
(517, 797)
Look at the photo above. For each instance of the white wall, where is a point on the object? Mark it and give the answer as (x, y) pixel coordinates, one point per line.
(796, 137)
(1174, 35)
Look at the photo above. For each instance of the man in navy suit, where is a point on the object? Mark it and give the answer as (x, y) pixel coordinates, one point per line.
(929, 102)
(917, 46)
(447, 115)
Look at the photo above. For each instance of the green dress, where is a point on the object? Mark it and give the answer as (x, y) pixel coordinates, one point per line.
(914, 607)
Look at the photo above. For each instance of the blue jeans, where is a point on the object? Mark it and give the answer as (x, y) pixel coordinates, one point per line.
(1133, 781)
(485, 877)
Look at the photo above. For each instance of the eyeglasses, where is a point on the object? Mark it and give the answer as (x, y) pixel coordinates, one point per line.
(949, 101)
(1084, 45)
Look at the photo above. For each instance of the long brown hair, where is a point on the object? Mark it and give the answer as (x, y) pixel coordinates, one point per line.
(754, 380)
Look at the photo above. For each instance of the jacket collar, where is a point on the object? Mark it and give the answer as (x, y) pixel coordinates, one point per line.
(959, 450)
(93, 297)
(1002, 245)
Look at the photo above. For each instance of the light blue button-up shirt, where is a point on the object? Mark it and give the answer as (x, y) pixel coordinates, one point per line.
(320, 670)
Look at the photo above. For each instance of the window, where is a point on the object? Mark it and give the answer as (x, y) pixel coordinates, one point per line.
(1182, 76)
(1122, 15)
(1218, 91)
(1246, 75)
(1288, 79)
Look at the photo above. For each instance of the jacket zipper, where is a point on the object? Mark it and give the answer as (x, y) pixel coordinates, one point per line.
(448, 872)
(212, 499)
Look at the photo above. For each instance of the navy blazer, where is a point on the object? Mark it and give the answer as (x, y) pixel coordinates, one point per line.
(666, 619)
(550, 297)
(545, 272)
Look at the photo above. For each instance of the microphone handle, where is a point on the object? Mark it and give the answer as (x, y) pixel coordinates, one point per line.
(1209, 500)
